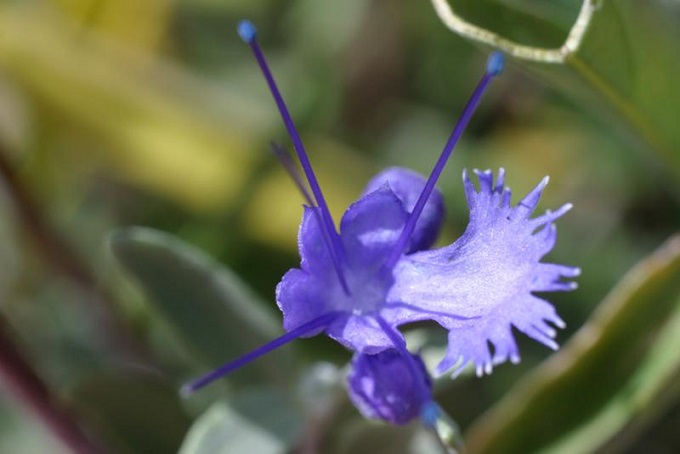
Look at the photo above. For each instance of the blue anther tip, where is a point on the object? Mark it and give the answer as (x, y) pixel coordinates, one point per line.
(495, 63)
(247, 31)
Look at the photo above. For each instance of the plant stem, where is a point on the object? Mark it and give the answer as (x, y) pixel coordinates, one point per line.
(63, 260)
(24, 385)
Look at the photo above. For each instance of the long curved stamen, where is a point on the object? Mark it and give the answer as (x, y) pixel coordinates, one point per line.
(319, 322)
(494, 67)
(248, 33)
(294, 173)
(399, 343)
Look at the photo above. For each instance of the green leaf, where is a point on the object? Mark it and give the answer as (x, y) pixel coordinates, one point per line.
(631, 60)
(617, 373)
(140, 414)
(258, 421)
(448, 433)
(619, 59)
(358, 435)
(214, 312)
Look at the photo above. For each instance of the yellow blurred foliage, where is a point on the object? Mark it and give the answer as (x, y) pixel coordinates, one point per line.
(147, 112)
(113, 18)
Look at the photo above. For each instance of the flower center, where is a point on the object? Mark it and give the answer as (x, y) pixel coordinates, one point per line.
(368, 292)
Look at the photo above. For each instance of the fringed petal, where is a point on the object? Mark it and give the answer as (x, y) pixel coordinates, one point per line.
(483, 284)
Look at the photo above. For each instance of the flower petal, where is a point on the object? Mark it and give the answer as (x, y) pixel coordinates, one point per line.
(469, 340)
(407, 186)
(370, 227)
(303, 297)
(382, 386)
(359, 333)
(482, 284)
(314, 253)
(299, 297)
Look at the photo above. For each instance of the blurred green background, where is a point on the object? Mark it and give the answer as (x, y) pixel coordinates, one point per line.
(119, 113)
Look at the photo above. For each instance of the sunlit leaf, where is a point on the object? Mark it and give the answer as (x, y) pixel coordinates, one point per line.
(617, 373)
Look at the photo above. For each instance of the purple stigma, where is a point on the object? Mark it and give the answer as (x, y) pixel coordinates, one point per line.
(314, 325)
(247, 32)
(494, 67)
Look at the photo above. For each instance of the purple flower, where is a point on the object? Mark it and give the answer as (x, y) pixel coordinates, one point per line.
(358, 285)
(369, 231)
(477, 288)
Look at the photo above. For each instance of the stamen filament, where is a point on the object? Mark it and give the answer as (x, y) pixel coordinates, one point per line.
(288, 164)
(319, 322)
(248, 33)
(294, 173)
(493, 68)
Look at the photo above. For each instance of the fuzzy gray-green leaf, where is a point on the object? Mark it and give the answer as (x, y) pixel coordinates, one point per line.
(207, 305)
